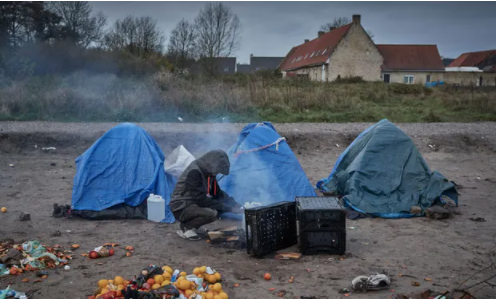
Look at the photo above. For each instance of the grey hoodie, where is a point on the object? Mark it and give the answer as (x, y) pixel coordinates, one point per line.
(192, 186)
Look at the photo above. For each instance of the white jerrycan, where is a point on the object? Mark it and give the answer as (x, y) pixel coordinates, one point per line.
(156, 208)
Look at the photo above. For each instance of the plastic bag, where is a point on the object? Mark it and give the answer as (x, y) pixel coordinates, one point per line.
(178, 161)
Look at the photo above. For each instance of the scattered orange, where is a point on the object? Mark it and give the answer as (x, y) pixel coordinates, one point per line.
(158, 279)
(223, 295)
(180, 278)
(183, 274)
(3, 209)
(103, 283)
(203, 269)
(166, 283)
(166, 276)
(13, 271)
(129, 248)
(184, 284)
(75, 246)
(188, 293)
(212, 279)
(25, 280)
(129, 254)
(118, 280)
(267, 276)
(217, 287)
(196, 271)
(168, 269)
(217, 276)
(156, 286)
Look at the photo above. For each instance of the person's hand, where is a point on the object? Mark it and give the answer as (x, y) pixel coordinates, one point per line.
(237, 211)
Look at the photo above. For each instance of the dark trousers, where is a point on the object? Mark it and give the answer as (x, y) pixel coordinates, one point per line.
(194, 216)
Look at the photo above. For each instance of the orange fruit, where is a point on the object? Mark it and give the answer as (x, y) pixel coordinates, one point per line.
(196, 271)
(217, 288)
(217, 276)
(156, 286)
(200, 276)
(184, 285)
(118, 280)
(166, 276)
(267, 276)
(121, 287)
(180, 278)
(166, 283)
(119, 293)
(3, 209)
(168, 269)
(203, 269)
(209, 296)
(217, 297)
(13, 271)
(158, 279)
(223, 295)
(150, 281)
(102, 283)
(212, 279)
(75, 246)
(110, 281)
(188, 293)
(183, 274)
(104, 291)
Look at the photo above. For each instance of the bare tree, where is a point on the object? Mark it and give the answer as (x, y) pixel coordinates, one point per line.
(338, 22)
(77, 16)
(182, 44)
(137, 35)
(218, 33)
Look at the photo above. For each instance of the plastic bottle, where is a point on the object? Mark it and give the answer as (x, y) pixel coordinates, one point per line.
(175, 275)
(156, 208)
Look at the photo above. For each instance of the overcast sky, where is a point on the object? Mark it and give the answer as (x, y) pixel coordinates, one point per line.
(272, 28)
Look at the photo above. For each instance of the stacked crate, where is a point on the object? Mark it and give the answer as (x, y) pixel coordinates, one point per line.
(321, 225)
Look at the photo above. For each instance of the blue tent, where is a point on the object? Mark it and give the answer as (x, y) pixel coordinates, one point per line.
(383, 174)
(120, 170)
(264, 168)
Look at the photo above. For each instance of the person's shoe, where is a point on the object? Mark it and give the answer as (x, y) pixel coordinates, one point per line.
(201, 230)
(189, 235)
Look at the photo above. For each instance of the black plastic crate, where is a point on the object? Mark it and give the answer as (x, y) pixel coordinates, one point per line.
(320, 213)
(321, 225)
(270, 228)
(323, 241)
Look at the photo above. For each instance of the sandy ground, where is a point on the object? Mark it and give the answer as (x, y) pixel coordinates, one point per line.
(447, 251)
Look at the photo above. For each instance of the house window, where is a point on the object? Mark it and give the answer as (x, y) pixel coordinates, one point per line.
(325, 50)
(226, 69)
(408, 79)
(428, 79)
(386, 78)
(306, 56)
(312, 54)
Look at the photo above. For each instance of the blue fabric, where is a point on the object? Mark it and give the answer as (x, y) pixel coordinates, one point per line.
(269, 175)
(122, 167)
(383, 174)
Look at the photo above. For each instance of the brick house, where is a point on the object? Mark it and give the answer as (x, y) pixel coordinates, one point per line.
(348, 51)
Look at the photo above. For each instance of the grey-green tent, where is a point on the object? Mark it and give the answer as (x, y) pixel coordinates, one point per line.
(383, 174)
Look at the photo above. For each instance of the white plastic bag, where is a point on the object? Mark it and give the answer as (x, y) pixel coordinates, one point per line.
(178, 161)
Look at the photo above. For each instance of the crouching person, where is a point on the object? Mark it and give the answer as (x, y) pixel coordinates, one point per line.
(197, 198)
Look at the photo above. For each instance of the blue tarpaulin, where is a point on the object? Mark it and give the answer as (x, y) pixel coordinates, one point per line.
(383, 174)
(264, 169)
(122, 167)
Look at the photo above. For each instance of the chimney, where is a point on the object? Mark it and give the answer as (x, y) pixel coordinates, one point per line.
(306, 41)
(320, 33)
(332, 28)
(356, 19)
(251, 56)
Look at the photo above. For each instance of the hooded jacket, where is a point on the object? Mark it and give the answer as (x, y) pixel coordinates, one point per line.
(197, 184)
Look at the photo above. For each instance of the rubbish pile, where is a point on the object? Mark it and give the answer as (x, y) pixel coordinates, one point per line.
(164, 282)
(30, 256)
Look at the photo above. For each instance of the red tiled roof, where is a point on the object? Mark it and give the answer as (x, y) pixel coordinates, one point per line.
(314, 52)
(472, 58)
(411, 57)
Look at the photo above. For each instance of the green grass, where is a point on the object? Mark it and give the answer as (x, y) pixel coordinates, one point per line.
(164, 97)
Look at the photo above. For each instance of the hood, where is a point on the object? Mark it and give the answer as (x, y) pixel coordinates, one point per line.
(214, 162)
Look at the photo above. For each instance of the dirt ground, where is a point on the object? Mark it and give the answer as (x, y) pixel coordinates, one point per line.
(447, 251)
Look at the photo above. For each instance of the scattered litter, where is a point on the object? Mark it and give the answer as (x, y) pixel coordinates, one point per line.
(24, 217)
(337, 145)
(42, 273)
(288, 256)
(180, 119)
(437, 213)
(102, 251)
(478, 219)
(291, 280)
(415, 283)
(67, 267)
(428, 279)
(68, 231)
(51, 148)
(343, 291)
(415, 210)
(236, 285)
(478, 178)
(272, 289)
(11, 165)
(281, 293)
(25, 280)
(163, 282)
(3, 210)
(374, 282)
(353, 227)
